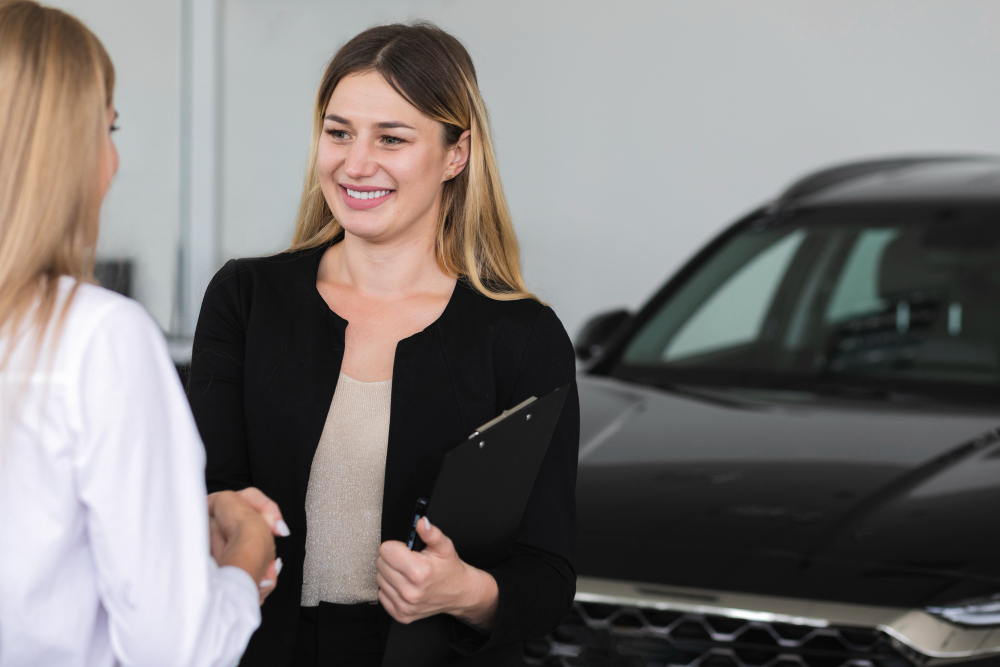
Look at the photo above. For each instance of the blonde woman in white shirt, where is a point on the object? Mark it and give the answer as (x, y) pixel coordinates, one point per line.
(104, 535)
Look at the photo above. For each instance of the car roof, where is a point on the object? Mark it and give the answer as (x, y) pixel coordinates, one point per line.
(953, 179)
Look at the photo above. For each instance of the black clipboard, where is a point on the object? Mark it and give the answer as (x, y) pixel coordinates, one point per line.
(479, 498)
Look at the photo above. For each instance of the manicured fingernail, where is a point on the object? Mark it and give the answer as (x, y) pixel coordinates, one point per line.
(278, 565)
(427, 523)
(282, 528)
(267, 583)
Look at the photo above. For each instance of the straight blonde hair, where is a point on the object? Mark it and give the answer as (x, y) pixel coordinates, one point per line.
(432, 71)
(56, 84)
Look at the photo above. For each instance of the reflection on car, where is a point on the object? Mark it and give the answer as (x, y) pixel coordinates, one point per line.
(790, 455)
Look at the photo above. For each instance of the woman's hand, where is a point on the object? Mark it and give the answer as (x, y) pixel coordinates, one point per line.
(418, 584)
(267, 508)
(271, 513)
(232, 519)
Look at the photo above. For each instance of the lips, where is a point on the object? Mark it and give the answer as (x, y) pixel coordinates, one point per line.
(364, 196)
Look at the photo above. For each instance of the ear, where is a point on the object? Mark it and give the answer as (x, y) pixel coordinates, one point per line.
(458, 156)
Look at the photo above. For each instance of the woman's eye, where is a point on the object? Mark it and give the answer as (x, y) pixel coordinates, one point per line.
(392, 141)
(340, 135)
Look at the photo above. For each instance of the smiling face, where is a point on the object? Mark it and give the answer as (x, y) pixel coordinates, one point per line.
(381, 162)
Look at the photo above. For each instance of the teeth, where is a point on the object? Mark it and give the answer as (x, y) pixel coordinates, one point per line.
(367, 195)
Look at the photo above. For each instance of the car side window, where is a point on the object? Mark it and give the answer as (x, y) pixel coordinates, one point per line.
(856, 292)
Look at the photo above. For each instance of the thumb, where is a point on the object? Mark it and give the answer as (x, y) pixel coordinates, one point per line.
(434, 539)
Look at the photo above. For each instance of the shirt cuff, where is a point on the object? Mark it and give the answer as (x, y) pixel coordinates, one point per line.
(242, 586)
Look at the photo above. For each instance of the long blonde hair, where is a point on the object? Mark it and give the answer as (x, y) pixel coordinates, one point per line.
(433, 72)
(56, 84)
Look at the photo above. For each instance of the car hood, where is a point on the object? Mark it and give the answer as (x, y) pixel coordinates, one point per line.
(788, 494)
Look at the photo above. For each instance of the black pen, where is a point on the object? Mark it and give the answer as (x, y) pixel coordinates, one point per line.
(415, 543)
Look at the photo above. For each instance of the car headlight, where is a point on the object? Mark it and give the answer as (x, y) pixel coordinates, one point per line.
(972, 612)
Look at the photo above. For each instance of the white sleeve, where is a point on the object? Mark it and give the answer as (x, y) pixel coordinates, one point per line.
(140, 475)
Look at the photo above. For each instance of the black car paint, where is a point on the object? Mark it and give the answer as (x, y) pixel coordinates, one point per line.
(862, 499)
(751, 495)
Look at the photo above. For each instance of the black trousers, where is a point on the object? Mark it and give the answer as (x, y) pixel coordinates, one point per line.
(338, 635)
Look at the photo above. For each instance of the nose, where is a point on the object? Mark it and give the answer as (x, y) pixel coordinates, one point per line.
(360, 162)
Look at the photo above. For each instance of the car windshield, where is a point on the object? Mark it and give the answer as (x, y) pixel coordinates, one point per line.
(897, 294)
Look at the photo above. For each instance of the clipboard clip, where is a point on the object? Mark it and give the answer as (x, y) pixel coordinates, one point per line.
(503, 415)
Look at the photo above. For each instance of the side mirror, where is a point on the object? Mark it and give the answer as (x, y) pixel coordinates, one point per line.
(597, 332)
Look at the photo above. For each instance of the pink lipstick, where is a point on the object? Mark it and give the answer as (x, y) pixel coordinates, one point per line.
(364, 196)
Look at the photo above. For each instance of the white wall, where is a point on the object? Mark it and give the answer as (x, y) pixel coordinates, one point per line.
(141, 216)
(628, 133)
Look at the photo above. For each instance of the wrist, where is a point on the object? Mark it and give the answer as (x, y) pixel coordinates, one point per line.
(480, 600)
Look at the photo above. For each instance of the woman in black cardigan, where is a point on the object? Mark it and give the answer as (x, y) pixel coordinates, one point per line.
(404, 233)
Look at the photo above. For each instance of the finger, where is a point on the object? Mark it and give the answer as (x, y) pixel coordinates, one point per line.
(270, 580)
(392, 577)
(407, 575)
(267, 508)
(382, 583)
(396, 605)
(388, 605)
(270, 574)
(437, 542)
(216, 539)
(396, 554)
(215, 500)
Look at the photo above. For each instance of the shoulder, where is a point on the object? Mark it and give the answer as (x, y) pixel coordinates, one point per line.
(269, 281)
(95, 310)
(99, 319)
(522, 317)
(472, 303)
(283, 265)
(515, 328)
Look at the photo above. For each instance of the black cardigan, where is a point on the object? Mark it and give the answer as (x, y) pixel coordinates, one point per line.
(267, 355)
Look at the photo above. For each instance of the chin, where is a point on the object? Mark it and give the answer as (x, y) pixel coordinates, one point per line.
(363, 224)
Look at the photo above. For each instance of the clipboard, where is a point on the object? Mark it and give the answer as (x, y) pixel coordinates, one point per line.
(478, 500)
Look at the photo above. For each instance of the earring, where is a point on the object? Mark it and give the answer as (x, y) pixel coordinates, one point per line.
(447, 176)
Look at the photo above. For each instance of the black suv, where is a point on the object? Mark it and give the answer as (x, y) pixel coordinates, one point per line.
(790, 455)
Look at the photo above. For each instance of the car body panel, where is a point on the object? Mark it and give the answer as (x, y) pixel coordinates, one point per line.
(772, 496)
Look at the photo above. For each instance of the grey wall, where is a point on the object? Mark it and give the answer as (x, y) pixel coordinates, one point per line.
(628, 133)
(141, 215)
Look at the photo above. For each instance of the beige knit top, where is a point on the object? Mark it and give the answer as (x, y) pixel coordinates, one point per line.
(344, 496)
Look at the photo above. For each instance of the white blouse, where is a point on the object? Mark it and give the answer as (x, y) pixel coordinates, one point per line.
(104, 556)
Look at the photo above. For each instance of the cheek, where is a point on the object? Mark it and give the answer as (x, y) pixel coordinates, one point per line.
(328, 159)
(421, 177)
(109, 165)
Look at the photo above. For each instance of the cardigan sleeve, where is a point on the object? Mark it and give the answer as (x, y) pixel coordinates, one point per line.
(537, 582)
(215, 385)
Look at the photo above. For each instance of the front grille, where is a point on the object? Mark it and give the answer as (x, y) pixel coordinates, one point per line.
(603, 635)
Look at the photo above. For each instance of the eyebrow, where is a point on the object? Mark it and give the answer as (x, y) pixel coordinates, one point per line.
(385, 125)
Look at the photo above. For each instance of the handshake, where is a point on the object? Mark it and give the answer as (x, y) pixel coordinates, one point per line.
(241, 528)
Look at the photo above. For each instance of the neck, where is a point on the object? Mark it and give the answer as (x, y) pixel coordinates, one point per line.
(403, 265)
